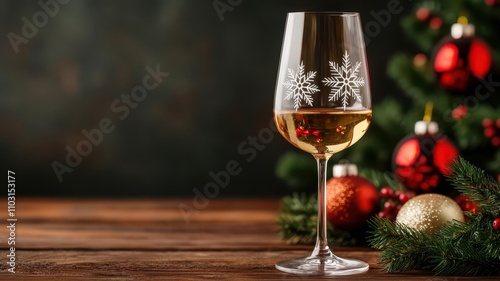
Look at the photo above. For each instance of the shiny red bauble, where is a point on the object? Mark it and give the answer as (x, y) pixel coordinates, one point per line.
(350, 201)
(461, 60)
(421, 160)
(466, 205)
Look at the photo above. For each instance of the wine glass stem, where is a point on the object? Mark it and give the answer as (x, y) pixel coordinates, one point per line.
(321, 249)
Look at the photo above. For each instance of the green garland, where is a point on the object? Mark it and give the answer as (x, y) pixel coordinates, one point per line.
(297, 221)
(471, 248)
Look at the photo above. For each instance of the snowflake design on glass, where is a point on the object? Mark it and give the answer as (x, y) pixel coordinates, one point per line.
(344, 81)
(300, 86)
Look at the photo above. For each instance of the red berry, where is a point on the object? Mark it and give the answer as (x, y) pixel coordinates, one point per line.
(307, 132)
(425, 186)
(316, 133)
(410, 195)
(436, 23)
(386, 215)
(299, 132)
(459, 112)
(490, 2)
(403, 198)
(495, 141)
(419, 60)
(423, 14)
(389, 206)
(496, 224)
(386, 192)
(338, 129)
(391, 217)
(397, 193)
(487, 122)
(382, 214)
(489, 132)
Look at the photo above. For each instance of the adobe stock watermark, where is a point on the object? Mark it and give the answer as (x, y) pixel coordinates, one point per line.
(373, 28)
(29, 29)
(121, 107)
(222, 178)
(223, 6)
(11, 221)
(482, 92)
(381, 19)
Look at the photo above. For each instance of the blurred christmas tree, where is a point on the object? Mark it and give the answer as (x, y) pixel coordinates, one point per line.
(455, 70)
(454, 83)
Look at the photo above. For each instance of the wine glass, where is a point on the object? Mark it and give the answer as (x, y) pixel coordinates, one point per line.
(323, 106)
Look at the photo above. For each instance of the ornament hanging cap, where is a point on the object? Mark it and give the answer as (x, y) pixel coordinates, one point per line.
(462, 28)
(426, 126)
(344, 168)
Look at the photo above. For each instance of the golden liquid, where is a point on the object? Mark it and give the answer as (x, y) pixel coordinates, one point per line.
(322, 131)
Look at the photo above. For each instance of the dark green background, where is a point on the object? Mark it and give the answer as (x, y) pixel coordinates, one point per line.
(219, 92)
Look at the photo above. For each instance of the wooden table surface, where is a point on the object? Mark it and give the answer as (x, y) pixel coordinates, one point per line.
(127, 239)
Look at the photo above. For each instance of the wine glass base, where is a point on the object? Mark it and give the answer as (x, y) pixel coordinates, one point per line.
(315, 265)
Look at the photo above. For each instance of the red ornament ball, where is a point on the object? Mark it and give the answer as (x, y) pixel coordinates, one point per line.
(466, 205)
(460, 63)
(421, 160)
(496, 224)
(350, 201)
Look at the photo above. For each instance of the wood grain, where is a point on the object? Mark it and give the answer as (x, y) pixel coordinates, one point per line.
(147, 239)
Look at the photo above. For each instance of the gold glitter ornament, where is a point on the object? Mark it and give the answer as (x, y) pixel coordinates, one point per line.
(429, 212)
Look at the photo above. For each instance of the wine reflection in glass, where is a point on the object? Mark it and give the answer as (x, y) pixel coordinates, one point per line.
(323, 106)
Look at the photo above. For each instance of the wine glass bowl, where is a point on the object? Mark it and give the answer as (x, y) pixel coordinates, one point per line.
(323, 106)
(322, 131)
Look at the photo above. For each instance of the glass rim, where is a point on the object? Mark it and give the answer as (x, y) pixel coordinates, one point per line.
(340, 14)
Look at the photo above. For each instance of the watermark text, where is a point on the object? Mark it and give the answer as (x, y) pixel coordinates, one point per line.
(11, 221)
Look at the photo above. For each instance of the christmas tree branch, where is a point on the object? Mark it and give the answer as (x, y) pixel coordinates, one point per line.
(475, 183)
(466, 248)
(380, 179)
(402, 248)
(297, 219)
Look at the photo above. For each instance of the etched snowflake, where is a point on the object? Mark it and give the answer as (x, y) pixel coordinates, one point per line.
(344, 81)
(300, 86)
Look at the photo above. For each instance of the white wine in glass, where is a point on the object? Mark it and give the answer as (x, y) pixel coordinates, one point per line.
(323, 106)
